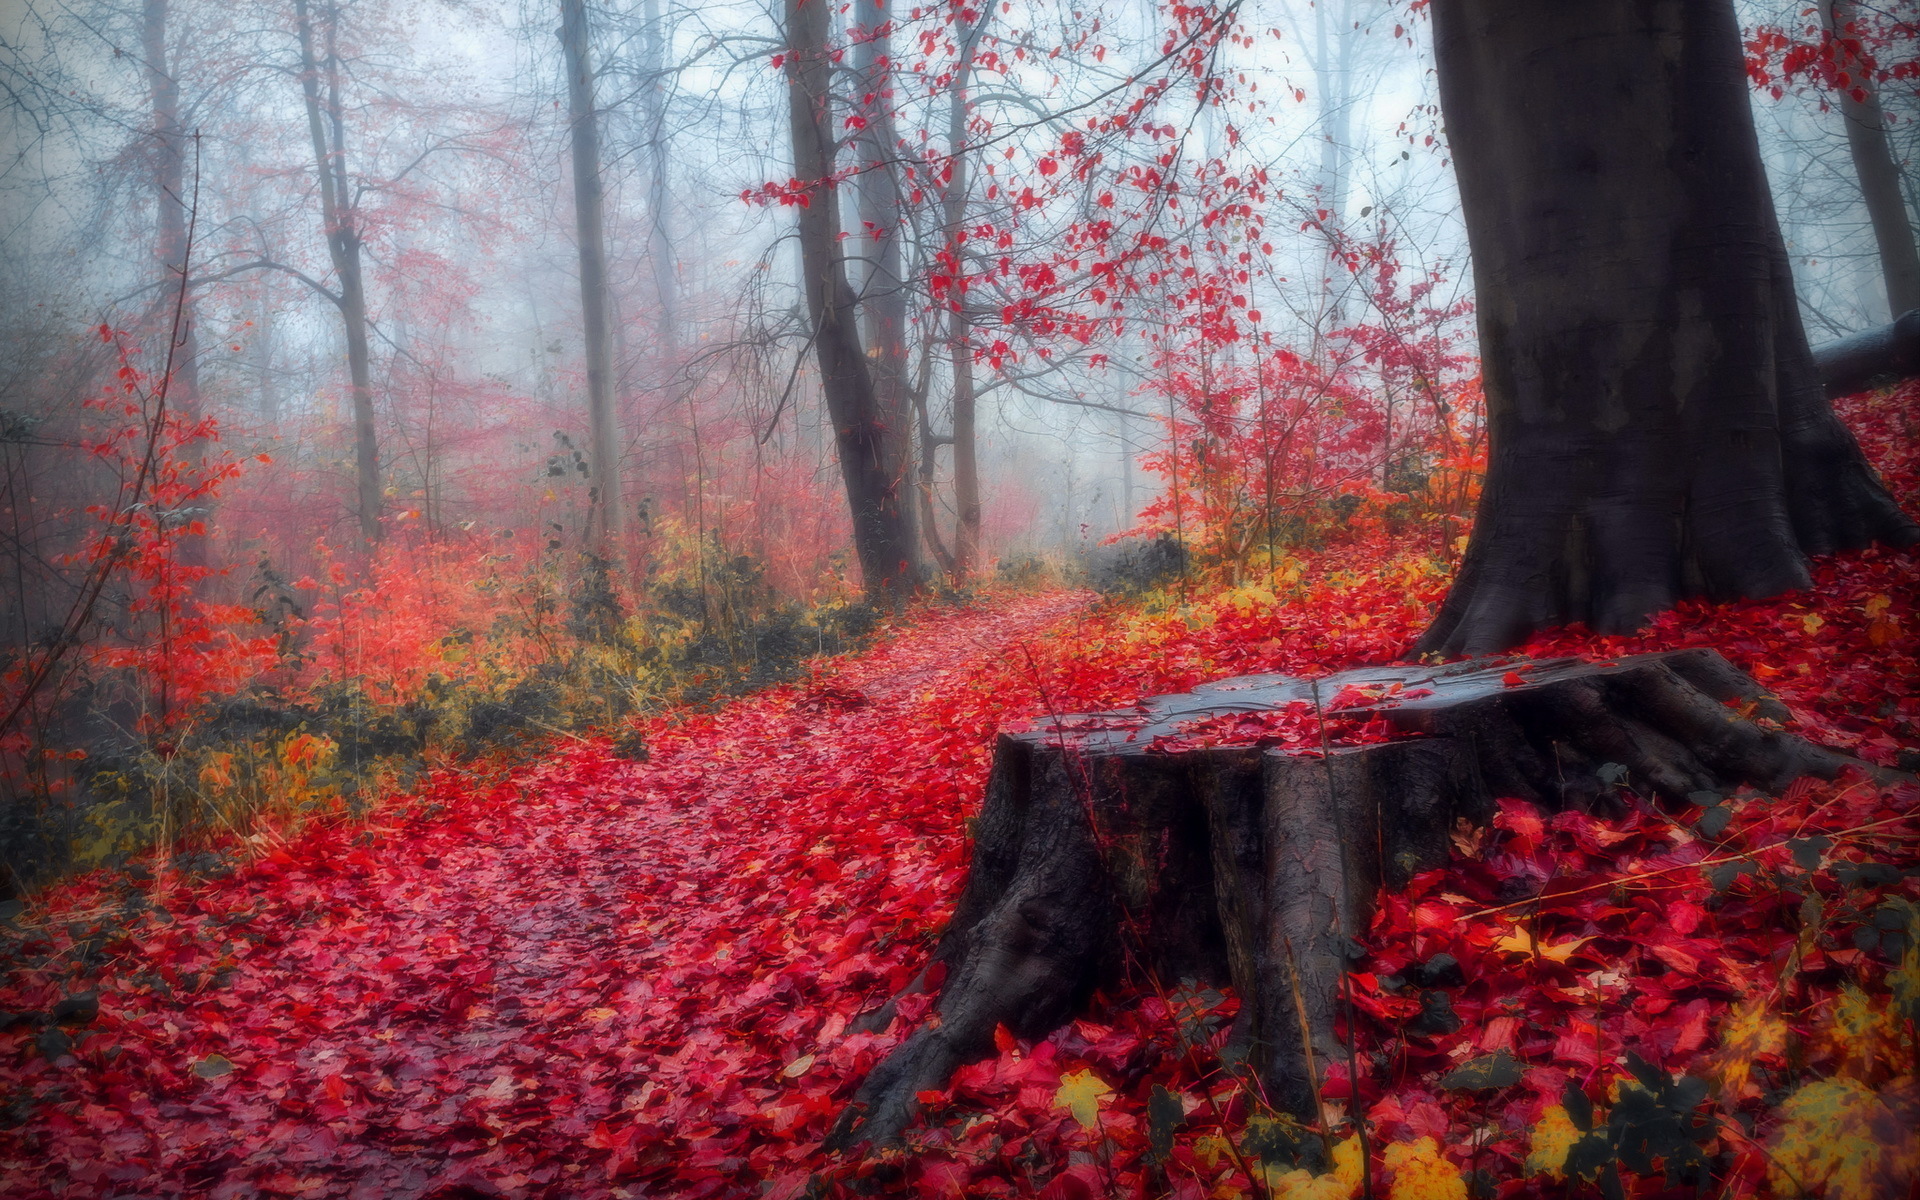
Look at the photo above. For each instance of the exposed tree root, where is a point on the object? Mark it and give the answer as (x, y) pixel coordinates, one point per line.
(1258, 866)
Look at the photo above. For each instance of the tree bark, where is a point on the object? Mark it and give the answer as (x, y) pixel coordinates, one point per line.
(660, 241)
(966, 467)
(1101, 845)
(1854, 364)
(603, 499)
(881, 536)
(326, 128)
(1873, 163)
(174, 307)
(171, 207)
(1656, 427)
(883, 290)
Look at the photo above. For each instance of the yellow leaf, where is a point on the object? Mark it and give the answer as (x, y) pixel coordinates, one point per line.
(1299, 1185)
(1845, 1141)
(1342, 1183)
(1876, 605)
(1521, 942)
(1552, 1138)
(601, 1014)
(1080, 1095)
(798, 1067)
(1420, 1172)
(1210, 1149)
(1349, 1162)
(1812, 623)
(1862, 1033)
(1753, 1031)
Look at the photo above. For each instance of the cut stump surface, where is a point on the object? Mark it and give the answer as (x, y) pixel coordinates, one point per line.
(1205, 836)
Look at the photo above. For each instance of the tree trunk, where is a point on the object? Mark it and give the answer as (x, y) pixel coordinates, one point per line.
(875, 492)
(171, 204)
(1873, 163)
(966, 467)
(652, 87)
(172, 213)
(1333, 78)
(1101, 843)
(930, 444)
(263, 343)
(603, 497)
(1656, 427)
(326, 127)
(1854, 364)
(883, 290)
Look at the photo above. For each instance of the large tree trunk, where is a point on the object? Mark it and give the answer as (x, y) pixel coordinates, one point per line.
(603, 501)
(1656, 427)
(326, 128)
(1198, 851)
(875, 493)
(883, 290)
(1874, 165)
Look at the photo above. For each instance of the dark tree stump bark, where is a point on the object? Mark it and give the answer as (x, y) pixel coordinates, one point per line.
(1105, 841)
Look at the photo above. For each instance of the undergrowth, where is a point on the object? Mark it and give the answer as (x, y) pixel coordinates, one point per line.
(333, 690)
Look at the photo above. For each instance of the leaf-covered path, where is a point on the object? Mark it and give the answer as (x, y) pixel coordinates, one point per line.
(604, 978)
(598, 971)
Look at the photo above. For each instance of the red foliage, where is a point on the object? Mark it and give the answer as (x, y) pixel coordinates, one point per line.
(1876, 46)
(607, 978)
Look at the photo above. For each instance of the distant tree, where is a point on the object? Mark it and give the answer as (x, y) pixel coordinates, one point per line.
(1657, 429)
(604, 509)
(869, 462)
(321, 83)
(169, 150)
(1849, 56)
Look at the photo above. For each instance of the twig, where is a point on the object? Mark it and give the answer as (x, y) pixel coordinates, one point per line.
(1659, 871)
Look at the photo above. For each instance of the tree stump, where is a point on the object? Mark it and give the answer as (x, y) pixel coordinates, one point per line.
(1205, 836)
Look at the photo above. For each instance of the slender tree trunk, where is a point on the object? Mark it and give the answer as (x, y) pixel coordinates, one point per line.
(269, 383)
(930, 444)
(875, 495)
(171, 202)
(171, 247)
(660, 243)
(966, 468)
(883, 291)
(1873, 163)
(172, 210)
(1657, 429)
(326, 127)
(603, 500)
(1333, 75)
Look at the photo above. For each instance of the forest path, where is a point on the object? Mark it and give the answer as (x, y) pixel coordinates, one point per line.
(592, 979)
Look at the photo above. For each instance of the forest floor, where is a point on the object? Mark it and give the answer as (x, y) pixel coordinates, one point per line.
(601, 977)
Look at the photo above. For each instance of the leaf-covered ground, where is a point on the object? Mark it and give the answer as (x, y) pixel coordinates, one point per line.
(601, 977)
